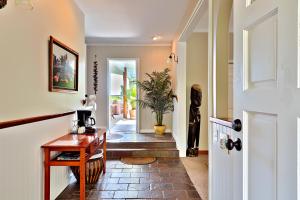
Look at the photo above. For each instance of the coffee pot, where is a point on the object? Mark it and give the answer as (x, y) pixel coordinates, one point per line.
(85, 120)
(89, 122)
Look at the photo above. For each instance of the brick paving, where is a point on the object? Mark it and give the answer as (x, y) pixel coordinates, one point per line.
(164, 179)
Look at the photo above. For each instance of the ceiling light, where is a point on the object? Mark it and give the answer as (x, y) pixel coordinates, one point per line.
(157, 37)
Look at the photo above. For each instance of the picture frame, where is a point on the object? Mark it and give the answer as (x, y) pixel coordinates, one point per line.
(63, 67)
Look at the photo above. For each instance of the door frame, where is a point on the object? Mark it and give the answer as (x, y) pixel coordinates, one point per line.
(137, 68)
(213, 16)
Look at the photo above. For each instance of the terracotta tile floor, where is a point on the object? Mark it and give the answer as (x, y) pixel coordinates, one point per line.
(164, 179)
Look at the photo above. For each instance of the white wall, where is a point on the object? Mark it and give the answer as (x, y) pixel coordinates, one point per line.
(179, 115)
(24, 92)
(24, 57)
(151, 58)
(21, 168)
(197, 73)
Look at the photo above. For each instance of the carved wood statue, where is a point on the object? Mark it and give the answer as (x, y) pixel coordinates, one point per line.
(194, 121)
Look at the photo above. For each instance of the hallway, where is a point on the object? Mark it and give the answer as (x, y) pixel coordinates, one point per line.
(123, 125)
(164, 179)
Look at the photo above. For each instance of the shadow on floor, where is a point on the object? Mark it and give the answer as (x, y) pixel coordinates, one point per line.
(197, 169)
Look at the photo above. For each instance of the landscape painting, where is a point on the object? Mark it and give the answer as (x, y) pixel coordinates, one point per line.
(63, 70)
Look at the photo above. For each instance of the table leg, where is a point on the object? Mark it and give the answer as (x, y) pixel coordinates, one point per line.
(47, 174)
(104, 153)
(82, 174)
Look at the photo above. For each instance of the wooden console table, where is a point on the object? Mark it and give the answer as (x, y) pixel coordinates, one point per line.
(86, 144)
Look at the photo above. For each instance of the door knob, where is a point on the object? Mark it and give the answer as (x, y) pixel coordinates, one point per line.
(237, 125)
(230, 144)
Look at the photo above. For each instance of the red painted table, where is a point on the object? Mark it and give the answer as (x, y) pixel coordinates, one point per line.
(86, 144)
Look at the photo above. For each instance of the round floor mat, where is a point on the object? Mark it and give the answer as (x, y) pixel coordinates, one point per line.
(138, 161)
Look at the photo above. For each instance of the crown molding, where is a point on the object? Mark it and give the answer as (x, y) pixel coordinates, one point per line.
(193, 21)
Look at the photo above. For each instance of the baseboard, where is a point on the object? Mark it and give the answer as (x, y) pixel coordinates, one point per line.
(203, 152)
(152, 131)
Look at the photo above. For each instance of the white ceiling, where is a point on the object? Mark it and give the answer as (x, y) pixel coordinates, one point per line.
(134, 21)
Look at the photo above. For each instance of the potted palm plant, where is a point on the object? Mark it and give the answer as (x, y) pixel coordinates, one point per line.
(158, 96)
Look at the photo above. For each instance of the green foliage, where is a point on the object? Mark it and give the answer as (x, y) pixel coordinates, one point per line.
(133, 103)
(66, 84)
(158, 94)
(131, 94)
(115, 98)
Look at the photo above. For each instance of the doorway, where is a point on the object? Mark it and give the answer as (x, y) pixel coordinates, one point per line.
(122, 95)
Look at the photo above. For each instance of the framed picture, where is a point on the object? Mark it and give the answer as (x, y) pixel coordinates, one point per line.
(63, 67)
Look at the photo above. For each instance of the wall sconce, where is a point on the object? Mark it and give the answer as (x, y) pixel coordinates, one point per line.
(172, 58)
(28, 4)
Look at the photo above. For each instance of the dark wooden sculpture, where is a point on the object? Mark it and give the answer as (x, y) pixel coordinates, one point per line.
(194, 121)
(3, 3)
(95, 75)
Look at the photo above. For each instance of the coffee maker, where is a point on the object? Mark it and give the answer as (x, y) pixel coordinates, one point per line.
(85, 120)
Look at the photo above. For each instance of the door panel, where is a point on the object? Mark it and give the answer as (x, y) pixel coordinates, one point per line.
(260, 155)
(263, 36)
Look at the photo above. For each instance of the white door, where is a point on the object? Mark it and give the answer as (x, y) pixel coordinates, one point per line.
(266, 99)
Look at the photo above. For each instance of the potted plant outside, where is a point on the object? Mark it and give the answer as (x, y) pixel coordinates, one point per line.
(158, 96)
(131, 96)
(132, 111)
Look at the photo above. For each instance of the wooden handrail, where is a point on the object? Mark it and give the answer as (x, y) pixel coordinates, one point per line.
(221, 121)
(233, 124)
(18, 122)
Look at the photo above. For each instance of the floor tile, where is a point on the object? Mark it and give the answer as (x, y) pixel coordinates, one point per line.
(164, 179)
(129, 180)
(126, 194)
(150, 194)
(120, 175)
(113, 187)
(142, 187)
(140, 175)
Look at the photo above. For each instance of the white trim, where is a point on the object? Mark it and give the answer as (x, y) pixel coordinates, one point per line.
(128, 44)
(298, 158)
(298, 56)
(137, 61)
(245, 60)
(245, 155)
(107, 94)
(210, 100)
(192, 22)
(152, 131)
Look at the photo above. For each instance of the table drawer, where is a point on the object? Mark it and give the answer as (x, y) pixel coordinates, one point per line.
(94, 146)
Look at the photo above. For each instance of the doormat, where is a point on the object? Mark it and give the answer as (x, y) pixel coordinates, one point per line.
(138, 161)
